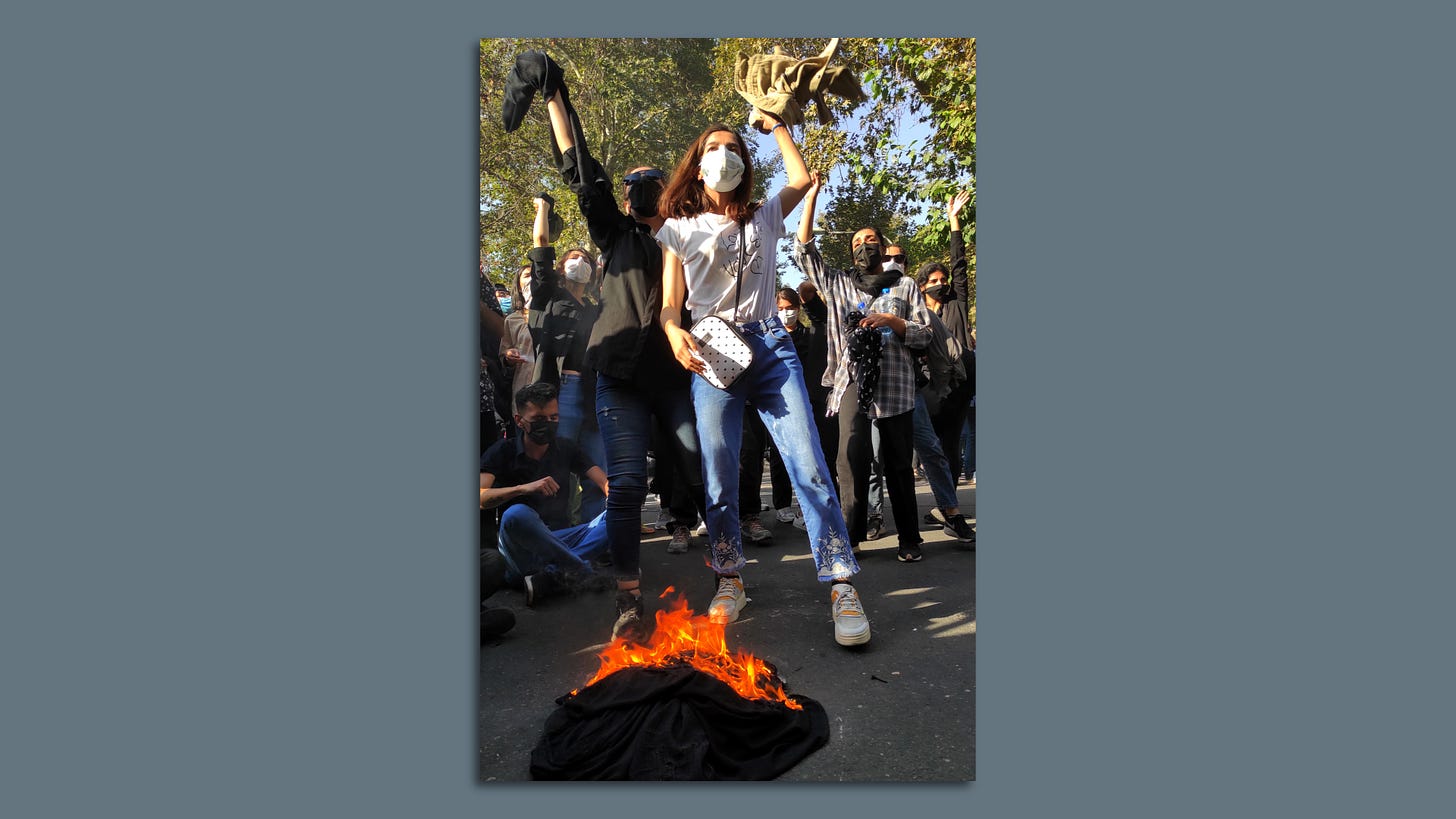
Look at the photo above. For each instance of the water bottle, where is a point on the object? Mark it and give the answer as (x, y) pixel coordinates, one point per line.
(886, 332)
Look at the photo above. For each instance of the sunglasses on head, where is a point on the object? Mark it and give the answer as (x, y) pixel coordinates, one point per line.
(634, 178)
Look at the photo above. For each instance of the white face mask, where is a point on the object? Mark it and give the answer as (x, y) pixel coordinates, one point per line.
(889, 266)
(578, 270)
(789, 317)
(722, 170)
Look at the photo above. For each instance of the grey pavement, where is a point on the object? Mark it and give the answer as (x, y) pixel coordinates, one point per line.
(901, 708)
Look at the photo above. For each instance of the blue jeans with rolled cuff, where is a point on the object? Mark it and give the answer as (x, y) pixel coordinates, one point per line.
(625, 414)
(529, 547)
(774, 383)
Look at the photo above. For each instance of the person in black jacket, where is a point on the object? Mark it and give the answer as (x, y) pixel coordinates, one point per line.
(560, 321)
(947, 294)
(637, 378)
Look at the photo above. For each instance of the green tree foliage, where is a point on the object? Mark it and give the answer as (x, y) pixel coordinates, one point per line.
(930, 81)
(856, 205)
(641, 101)
(934, 82)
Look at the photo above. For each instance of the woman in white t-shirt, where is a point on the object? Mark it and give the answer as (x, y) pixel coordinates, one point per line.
(704, 268)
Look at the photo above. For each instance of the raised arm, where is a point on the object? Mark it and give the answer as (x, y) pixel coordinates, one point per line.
(540, 229)
(595, 192)
(794, 168)
(674, 294)
(560, 124)
(959, 280)
(806, 220)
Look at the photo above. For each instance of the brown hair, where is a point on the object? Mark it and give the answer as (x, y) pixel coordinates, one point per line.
(684, 196)
(518, 299)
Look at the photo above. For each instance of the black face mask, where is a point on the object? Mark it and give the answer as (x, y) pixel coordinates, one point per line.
(541, 431)
(642, 197)
(940, 292)
(868, 276)
(867, 256)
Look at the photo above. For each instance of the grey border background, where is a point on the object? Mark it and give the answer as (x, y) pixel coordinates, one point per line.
(237, 331)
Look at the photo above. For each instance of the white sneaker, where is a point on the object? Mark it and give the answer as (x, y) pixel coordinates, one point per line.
(800, 524)
(729, 600)
(785, 515)
(702, 530)
(851, 627)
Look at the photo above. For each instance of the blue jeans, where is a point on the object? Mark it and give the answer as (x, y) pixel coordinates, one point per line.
(577, 407)
(529, 547)
(775, 385)
(932, 457)
(625, 413)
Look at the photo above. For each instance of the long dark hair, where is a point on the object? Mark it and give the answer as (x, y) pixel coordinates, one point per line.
(518, 301)
(684, 196)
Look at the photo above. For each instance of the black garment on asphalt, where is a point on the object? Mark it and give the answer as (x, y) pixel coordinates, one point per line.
(675, 723)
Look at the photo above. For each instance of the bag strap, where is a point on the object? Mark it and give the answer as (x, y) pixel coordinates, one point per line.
(742, 261)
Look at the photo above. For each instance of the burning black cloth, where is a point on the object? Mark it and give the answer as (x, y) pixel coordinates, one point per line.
(674, 723)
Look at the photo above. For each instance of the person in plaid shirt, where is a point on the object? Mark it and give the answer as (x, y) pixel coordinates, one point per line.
(872, 371)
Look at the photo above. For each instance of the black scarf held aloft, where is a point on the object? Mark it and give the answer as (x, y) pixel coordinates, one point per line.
(674, 723)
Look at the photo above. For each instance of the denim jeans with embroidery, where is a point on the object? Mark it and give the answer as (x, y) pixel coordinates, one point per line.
(775, 385)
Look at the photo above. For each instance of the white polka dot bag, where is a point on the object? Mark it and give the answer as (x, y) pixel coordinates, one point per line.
(724, 351)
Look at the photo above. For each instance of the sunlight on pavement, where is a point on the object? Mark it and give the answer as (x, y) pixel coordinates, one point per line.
(968, 629)
(905, 592)
(953, 625)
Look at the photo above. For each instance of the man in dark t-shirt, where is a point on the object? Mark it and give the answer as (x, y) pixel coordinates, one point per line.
(527, 474)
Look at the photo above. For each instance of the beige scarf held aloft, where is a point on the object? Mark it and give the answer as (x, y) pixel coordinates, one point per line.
(782, 85)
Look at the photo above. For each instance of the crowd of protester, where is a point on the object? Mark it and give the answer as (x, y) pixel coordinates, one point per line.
(593, 388)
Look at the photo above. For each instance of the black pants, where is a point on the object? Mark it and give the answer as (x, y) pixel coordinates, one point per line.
(897, 453)
(948, 420)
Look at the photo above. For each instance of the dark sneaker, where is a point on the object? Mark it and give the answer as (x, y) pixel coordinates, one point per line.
(935, 517)
(495, 621)
(851, 627)
(680, 540)
(909, 554)
(956, 527)
(875, 529)
(754, 530)
(631, 622)
(539, 587)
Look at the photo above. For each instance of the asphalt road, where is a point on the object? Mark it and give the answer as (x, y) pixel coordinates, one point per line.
(901, 708)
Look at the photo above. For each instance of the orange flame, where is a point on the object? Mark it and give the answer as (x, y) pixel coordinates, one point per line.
(682, 637)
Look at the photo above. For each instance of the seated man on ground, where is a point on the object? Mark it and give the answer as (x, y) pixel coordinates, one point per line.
(527, 474)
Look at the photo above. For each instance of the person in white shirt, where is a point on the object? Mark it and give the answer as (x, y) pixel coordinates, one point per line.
(719, 253)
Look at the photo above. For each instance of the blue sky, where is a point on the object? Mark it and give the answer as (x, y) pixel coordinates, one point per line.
(911, 131)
